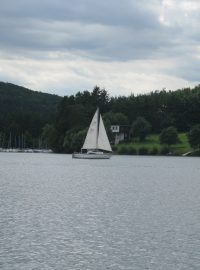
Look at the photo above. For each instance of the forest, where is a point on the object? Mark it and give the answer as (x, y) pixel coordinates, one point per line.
(23, 114)
(34, 119)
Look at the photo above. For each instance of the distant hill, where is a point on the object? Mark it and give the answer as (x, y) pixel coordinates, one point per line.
(23, 110)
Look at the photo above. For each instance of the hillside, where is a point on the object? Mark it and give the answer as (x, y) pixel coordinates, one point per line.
(152, 146)
(161, 109)
(24, 111)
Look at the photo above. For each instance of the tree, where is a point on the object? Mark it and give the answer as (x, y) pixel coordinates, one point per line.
(194, 136)
(115, 118)
(169, 136)
(141, 128)
(53, 138)
(73, 140)
(100, 98)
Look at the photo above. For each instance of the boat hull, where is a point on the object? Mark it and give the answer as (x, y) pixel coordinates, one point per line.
(91, 156)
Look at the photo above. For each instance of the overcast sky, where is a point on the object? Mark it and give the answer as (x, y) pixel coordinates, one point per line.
(129, 46)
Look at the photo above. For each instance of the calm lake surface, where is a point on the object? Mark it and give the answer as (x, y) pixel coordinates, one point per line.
(132, 213)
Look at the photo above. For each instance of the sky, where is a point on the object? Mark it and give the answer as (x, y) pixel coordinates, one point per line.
(127, 47)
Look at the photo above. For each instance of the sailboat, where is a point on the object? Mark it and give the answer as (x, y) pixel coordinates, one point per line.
(96, 145)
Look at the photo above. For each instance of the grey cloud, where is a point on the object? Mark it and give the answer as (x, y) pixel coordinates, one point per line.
(109, 31)
(113, 12)
(95, 40)
(104, 30)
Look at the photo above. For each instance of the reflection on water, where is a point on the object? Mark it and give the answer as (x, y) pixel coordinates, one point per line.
(124, 213)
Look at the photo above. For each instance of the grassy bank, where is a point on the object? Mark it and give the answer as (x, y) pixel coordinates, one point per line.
(152, 146)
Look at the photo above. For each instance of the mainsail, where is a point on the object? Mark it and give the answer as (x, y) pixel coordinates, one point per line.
(96, 137)
(91, 138)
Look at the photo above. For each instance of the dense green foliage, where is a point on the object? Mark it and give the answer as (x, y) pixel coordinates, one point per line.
(141, 128)
(23, 114)
(194, 136)
(169, 136)
(73, 140)
(161, 109)
(153, 146)
(28, 116)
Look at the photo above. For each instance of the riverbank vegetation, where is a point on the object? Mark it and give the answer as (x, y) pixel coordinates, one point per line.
(159, 122)
(152, 146)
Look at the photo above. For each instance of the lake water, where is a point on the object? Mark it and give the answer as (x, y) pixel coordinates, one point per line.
(126, 213)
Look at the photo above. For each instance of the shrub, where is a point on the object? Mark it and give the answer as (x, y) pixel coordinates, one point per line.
(114, 148)
(141, 128)
(122, 150)
(143, 151)
(194, 137)
(195, 154)
(153, 151)
(169, 136)
(131, 150)
(164, 150)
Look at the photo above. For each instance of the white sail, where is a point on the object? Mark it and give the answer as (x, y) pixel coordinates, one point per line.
(96, 139)
(103, 142)
(91, 138)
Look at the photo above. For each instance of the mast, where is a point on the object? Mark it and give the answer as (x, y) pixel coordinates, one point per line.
(98, 118)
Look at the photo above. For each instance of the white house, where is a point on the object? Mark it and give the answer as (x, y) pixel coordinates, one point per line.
(121, 133)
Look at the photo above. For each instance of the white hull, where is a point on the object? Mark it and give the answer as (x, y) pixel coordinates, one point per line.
(91, 156)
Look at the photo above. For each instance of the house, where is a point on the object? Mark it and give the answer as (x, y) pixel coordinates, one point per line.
(120, 133)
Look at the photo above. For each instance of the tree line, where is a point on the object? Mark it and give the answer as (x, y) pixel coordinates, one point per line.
(154, 112)
(34, 119)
